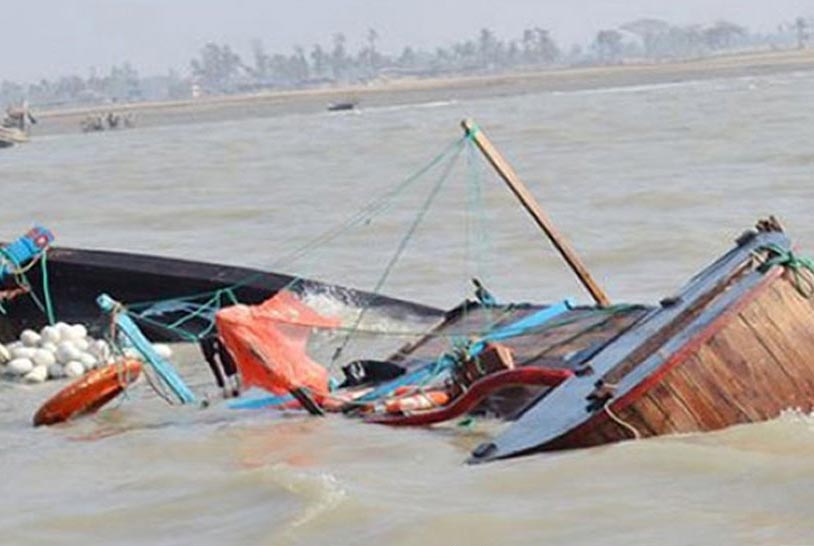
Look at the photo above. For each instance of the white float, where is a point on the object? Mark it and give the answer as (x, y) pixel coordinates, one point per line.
(37, 375)
(74, 369)
(43, 357)
(30, 338)
(20, 366)
(58, 351)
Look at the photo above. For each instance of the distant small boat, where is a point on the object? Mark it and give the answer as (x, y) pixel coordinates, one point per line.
(13, 127)
(11, 136)
(341, 106)
(107, 122)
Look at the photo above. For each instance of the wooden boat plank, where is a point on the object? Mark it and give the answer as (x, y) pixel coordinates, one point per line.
(796, 311)
(685, 384)
(635, 417)
(657, 418)
(785, 352)
(712, 377)
(737, 373)
(782, 335)
(768, 370)
(679, 417)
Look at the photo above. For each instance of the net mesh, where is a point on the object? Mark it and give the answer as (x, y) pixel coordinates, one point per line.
(269, 343)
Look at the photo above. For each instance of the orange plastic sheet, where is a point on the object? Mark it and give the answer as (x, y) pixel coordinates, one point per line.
(268, 343)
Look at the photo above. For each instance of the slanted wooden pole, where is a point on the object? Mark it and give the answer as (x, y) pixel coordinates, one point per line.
(520, 190)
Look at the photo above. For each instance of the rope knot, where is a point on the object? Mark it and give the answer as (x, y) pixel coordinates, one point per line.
(802, 267)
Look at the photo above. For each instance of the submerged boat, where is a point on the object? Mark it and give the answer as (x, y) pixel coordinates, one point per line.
(73, 278)
(733, 346)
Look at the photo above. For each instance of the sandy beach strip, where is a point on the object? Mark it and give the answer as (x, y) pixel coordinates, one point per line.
(416, 90)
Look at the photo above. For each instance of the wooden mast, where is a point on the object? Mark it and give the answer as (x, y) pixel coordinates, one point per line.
(520, 190)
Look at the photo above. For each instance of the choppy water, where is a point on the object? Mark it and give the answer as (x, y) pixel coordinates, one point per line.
(650, 183)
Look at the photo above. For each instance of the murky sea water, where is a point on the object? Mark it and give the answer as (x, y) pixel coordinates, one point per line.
(650, 183)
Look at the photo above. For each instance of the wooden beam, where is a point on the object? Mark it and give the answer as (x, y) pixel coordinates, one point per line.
(520, 190)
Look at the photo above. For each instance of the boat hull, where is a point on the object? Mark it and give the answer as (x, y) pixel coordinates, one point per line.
(76, 277)
(748, 366)
(734, 346)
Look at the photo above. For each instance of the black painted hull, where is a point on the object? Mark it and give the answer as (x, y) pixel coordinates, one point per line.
(77, 277)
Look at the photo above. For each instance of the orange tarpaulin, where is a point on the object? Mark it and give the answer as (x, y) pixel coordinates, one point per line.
(268, 343)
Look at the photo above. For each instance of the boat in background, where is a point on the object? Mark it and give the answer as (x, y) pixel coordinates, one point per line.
(9, 136)
(14, 127)
(342, 106)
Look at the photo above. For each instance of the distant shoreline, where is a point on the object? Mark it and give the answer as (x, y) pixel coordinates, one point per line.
(407, 90)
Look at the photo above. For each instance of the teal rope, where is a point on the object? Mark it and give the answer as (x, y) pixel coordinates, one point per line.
(473, 132)
(183, 334)
(214, 298)
(21, 279)
(364, 214)
(211, 304)
(798, 265)
(402, 245)
(374, 207)
(483, 243)
(46, 289)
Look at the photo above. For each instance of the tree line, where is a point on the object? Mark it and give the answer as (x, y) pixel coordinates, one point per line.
(220, 69)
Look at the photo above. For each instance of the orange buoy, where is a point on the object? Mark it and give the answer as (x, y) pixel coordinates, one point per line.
(89, 393)
(417, 402)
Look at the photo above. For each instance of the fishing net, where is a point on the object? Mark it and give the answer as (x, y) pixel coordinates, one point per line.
(268, 343)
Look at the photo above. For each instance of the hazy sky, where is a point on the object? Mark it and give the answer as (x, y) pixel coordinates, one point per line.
(48, 38)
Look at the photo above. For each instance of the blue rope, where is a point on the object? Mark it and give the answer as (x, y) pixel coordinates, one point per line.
(447, 361)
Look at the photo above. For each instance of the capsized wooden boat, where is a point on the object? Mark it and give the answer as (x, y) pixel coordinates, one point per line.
(76, 277)
(734, 346)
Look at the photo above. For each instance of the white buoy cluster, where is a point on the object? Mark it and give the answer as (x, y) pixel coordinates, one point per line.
(62, 350)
